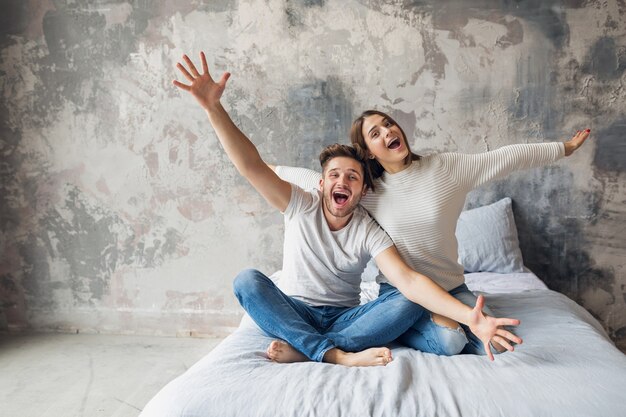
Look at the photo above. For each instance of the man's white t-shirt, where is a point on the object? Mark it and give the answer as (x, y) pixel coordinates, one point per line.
(321, 266)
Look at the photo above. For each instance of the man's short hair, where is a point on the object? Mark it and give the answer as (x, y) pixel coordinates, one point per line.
(336, 150)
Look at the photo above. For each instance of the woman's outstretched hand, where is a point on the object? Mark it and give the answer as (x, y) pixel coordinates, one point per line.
(486, 328)
(577, 141)
(203, 88)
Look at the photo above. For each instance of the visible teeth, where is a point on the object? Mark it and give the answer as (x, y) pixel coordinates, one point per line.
(340, 197)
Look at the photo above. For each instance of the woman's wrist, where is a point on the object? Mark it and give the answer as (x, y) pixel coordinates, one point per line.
(569, 148)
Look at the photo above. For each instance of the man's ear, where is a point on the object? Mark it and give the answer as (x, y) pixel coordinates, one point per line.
(321, 184)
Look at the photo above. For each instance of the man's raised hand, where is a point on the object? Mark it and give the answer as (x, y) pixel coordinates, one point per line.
(202, 87)
(486, 328)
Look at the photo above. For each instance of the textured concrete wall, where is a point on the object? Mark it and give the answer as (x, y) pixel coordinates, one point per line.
(119, 212)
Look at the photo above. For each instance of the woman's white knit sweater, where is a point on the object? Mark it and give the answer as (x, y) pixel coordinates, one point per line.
(419, 206)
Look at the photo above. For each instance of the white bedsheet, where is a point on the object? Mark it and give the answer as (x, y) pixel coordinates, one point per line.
(566, 367)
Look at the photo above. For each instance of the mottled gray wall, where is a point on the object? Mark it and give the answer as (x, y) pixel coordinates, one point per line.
(119, 212)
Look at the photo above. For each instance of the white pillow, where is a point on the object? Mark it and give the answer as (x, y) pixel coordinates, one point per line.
(488, 239)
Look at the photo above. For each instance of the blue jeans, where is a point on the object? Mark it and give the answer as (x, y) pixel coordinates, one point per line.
(315, 330)
(427, 336)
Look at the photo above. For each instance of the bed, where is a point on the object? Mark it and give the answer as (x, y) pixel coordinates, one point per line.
(567, 366)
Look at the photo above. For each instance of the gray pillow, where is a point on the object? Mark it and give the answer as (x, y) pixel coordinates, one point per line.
(488, 240)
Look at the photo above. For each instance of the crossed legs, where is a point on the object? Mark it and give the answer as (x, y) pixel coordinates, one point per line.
(325, 334)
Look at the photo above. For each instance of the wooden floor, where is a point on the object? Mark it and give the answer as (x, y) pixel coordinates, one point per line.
(76, 375)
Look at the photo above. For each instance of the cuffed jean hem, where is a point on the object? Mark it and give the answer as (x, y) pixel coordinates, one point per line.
(281, 316)
(320, 356)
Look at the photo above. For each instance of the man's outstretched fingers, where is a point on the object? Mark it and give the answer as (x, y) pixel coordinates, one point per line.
(192, 67)
(182, 69)
(502, 341)
(205, 66)
(181, 85)
(225, 77)
(507, 322)
(480, 303)
(488, 351)
(512, 337)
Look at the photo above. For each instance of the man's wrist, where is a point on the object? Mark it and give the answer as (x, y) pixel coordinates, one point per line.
(213, 108)
(467, 317)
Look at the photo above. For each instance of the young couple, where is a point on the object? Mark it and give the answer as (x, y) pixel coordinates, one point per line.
(314, 310)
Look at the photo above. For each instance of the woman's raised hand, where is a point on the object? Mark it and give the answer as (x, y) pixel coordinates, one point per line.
(486, 328)
(202, 87)
(576, 142)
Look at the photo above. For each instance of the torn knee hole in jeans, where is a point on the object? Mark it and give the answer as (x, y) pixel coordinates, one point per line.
(457, 329)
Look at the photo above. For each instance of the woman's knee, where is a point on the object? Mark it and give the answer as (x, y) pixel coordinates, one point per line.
(452, 341)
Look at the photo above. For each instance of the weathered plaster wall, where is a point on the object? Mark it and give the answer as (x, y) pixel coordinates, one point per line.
(119, 212)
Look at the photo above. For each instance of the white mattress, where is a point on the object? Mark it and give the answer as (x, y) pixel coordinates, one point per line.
(566, 367)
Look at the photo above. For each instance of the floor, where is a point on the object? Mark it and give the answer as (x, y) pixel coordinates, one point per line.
(75, 375)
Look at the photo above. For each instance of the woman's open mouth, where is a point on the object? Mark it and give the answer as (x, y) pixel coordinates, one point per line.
(395, 143)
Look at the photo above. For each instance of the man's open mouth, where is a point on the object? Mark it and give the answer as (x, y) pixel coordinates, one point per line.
(394, 143)
(340, 197)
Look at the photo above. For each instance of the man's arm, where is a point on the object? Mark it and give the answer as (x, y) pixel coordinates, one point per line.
(422, 290)
(237, 146)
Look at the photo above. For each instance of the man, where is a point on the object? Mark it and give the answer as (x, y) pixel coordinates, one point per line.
(328, 241)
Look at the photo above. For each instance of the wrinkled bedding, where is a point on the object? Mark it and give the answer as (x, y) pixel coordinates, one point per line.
(567, 366)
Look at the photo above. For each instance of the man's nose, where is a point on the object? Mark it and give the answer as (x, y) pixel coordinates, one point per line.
(343, 179)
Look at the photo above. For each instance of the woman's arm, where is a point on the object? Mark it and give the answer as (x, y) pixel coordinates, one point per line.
(473, 170)
(302, 177)
(422, 290)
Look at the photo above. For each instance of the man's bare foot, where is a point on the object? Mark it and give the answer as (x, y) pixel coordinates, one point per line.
(367, 357)
(283, 352)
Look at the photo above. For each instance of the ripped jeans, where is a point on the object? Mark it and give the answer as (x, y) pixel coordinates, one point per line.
(315, 330)
(427, 336)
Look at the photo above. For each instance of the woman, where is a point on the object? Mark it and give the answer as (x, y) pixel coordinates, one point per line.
(418, 200)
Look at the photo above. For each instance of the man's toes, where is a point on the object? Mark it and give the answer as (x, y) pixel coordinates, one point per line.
(273, 350)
